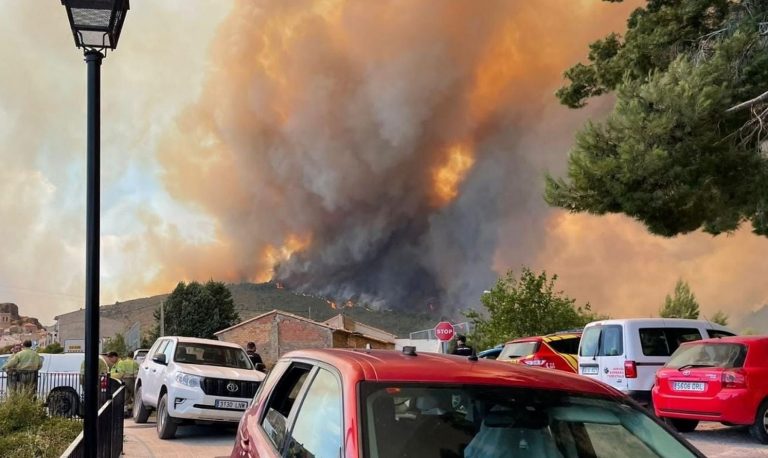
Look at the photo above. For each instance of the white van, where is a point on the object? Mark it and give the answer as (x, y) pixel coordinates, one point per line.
(626, 354)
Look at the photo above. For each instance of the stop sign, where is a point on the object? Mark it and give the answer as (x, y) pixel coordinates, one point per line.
(444, 331)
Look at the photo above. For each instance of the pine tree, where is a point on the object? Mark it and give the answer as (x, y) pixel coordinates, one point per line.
(682, 305)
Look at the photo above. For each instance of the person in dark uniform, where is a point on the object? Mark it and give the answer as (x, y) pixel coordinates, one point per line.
(255, 358)
(462, 349)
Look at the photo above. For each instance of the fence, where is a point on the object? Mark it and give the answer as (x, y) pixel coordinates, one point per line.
(60, 392)
(110, 430)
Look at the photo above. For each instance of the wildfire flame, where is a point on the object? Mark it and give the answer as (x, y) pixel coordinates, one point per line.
(332, 304)
(450, 175)
(273, 255)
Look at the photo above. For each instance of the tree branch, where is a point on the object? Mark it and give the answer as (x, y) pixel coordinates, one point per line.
(760, 98)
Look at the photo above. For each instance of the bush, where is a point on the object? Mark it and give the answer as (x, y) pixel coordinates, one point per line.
(20, 411)
(26, 431)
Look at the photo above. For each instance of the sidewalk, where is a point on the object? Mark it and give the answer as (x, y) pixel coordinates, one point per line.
(205, 441)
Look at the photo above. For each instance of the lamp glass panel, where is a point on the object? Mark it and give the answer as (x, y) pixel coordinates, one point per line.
(90, 18)
(94, 38)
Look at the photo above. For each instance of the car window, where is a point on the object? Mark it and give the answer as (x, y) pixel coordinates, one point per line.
(317, 431)
(160, 348)
(664, 341)
(424, 419)
(518, 349)
(717, 334)
(602, 341)
(281, 402)
(212, 355)
(725, 355)
(168, 351)
(569, 345)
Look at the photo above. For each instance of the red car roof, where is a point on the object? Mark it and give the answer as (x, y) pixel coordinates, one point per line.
(395, 366)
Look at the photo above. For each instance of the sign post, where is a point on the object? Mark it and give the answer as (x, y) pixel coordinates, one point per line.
(444, 333)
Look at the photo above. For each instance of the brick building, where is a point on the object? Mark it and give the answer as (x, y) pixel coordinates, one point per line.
(276, 333)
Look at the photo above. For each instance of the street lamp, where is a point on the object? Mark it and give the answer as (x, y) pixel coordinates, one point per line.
(96, 26)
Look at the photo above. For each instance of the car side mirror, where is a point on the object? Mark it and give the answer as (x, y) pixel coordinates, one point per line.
(160, 359)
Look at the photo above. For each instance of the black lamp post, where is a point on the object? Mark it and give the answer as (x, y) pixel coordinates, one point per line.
(96, 26)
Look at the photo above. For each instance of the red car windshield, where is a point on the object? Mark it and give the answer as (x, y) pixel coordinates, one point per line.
(725, 355)
(427, 420)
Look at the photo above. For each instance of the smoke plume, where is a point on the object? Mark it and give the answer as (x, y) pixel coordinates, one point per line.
(373, 150)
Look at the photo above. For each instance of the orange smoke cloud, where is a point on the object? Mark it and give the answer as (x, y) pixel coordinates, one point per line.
(409, 139)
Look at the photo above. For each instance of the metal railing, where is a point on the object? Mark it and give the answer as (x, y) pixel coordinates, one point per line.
(110, 426)
(60, 392)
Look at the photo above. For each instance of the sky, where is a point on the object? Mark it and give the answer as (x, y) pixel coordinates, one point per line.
(388, 152)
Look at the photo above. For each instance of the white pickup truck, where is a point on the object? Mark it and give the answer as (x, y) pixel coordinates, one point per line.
(187, 379)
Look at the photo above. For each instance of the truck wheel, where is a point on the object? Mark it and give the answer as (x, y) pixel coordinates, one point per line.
(166, 425)
(63, 403)
(140, 412)
(683, 426)
(759, 429)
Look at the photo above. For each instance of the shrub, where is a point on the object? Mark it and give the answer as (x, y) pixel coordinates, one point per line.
(26, 431)
(19, 411)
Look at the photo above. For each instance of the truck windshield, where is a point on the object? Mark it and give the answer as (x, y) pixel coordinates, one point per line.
(212, 355)
(432, 420)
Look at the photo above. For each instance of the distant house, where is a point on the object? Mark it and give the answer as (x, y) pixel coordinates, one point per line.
(71, 326)
(29, 328)
(276, 333)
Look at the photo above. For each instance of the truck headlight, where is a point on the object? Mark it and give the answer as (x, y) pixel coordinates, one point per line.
(188, 380)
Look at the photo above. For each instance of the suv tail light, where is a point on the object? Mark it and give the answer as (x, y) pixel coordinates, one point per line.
(630, 369)
(734, 379)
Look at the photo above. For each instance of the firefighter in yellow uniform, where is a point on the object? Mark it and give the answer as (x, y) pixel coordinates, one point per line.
(22, 369)
(126, 371)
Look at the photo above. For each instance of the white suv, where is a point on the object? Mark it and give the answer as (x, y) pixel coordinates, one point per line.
(185, 378)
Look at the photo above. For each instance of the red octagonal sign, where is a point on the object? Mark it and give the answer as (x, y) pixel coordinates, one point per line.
(444, 331)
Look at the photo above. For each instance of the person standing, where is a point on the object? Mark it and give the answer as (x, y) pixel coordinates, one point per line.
(126, 371)
(22, 368)
(462, 349)
(255, 358)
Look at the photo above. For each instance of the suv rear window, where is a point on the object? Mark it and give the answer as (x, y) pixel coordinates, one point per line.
(664, 341)
(518, 349)
(725, 355)
(602, 341)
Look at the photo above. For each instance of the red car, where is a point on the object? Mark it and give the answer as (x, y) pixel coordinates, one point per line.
(723, 380)
(553, 351)
(388, 404)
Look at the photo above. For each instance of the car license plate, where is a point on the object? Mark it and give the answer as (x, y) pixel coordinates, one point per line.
(589, 370)
(689, 386)
(239, 405)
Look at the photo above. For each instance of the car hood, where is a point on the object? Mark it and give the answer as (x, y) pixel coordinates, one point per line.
(221, 372)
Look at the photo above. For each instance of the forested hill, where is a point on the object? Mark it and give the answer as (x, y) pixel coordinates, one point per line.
(253, 299)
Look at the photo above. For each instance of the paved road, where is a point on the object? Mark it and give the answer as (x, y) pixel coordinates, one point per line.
(191, 441)
(717, 441)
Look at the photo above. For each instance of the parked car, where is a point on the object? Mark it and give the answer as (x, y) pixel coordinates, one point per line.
(58, 382)
(491, 353)
(721, 380)
(187, 379)
(553, 351)
(626, 354)
(390, 404)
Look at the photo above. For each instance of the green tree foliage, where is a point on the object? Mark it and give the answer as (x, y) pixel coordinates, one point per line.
(198, 310)
(674, 153)
(682, 305)
(720, 318)
(116, 344)
(525, 306)
(55, 347)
